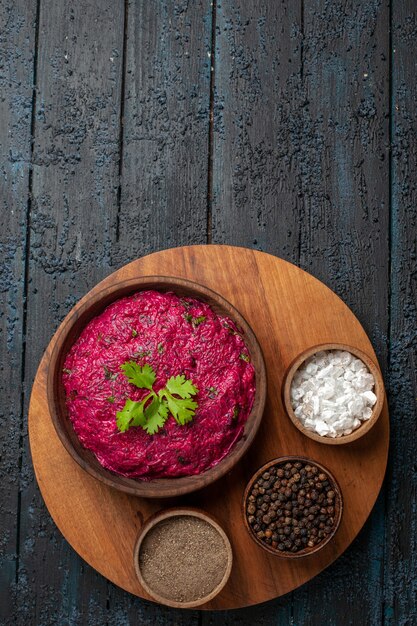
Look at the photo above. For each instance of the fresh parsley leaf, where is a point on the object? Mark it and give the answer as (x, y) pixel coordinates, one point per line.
(156, 415)
(244, 357)
(182, 410)
(131, 415)
(152, 412)
(140, 376)
(181, 387)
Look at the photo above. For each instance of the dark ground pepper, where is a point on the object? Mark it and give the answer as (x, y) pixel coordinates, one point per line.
(291, 506)
(183, 558)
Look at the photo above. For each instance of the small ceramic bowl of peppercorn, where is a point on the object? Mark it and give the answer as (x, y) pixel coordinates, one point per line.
(292, 506)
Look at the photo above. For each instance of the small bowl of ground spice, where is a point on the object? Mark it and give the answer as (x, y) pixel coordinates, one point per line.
(182, 557)
(292, 506)
(333, 393)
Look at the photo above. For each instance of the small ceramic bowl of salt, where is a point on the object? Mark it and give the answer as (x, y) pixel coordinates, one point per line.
(333, 393)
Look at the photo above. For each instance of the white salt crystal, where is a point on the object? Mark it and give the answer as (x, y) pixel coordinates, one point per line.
(367, 413)
(370, 397)
(322, 428)
(331, 393)
(355, 406)
(345, 357)
(311, 368)
(327, 390)
(357, 365)
(326, 371)
(328, 415)
(296, 393)
(299, 411)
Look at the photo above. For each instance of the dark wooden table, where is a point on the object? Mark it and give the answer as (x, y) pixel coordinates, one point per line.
(282, 125)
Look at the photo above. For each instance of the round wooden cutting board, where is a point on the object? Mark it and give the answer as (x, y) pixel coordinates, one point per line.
(289, 311)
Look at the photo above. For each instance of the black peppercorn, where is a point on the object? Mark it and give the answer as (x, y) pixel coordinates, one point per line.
(292, 507)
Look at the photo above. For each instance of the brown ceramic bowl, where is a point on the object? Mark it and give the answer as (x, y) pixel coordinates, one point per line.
(337, 514)
(378, 390)
(153, 521)
(75, 323)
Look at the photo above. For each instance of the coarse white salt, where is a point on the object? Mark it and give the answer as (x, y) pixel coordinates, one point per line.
(332, 393)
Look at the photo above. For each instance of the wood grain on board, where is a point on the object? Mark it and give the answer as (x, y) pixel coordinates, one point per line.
(101, 523)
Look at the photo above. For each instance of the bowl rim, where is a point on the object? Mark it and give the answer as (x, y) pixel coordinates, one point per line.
(164, 487)
(306, 551)
(160, 516)
(379, 392)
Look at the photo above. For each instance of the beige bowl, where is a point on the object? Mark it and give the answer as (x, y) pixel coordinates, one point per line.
(153, 521)
(379, 392)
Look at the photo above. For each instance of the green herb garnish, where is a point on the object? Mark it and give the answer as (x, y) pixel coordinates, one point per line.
(195, 321)
(160, 348)
(141, 353)
(212, 392)
(134, 332)
(140, 376)
(111, 399)
(244, 357)
(109, 374)
(152, 412)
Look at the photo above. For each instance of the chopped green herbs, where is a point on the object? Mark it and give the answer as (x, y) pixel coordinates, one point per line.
(109, 374)
(212, 392)
(111, 399)
(160, 348)
(244, 357)
(152, 412)
(140, 354)
(134, 332)
(195, 321)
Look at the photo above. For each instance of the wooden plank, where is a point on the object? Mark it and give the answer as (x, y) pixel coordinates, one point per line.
(164, 168)
(400, 601)
(344, 235)
(166, 126)
(74, 208)
(257, 99)
(315, 129)
(16, 77)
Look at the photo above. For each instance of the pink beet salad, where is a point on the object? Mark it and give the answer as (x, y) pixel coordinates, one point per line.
(159, 386)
